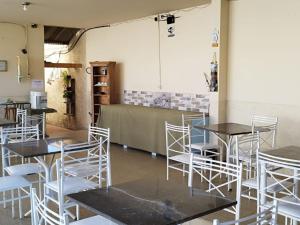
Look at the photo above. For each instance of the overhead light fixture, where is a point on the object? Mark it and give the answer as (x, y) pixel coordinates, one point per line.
(25, 5)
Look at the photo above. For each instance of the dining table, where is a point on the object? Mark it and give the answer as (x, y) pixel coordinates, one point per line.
(149, 201)
(290, 153)
(291, 156)
(7, 122)
(225, 132)
(38, 149)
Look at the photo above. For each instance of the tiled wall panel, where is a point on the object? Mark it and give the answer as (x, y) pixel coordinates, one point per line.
(180, 101)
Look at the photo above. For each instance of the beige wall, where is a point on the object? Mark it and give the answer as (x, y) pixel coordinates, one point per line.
(134, 45)
(184, 58)
(56, 87)
(12, 40)
(264, 64)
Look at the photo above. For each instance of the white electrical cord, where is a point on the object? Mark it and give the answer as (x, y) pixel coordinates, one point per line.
(25, 46)
(159, 52)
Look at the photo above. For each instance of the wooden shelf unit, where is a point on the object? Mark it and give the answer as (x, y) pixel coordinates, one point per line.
(107, 93)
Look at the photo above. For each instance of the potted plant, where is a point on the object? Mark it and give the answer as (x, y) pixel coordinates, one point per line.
(66, 79)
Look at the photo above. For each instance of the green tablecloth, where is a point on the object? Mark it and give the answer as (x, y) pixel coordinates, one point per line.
(138, 126)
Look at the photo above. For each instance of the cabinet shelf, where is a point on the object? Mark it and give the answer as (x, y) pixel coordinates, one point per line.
(104, 73)
(101, 75)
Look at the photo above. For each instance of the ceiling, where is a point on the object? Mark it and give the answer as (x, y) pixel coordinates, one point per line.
(59, 35)
(87, 13)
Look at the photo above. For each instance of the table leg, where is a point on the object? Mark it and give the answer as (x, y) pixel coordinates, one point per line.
(46, 167)
(228, 147)
(296, 188)
(261, 198)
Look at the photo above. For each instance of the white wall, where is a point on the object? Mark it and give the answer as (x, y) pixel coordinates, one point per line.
(264, 64)
(12, 39)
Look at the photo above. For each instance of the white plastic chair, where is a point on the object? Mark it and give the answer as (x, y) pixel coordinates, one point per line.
(18, 135)
(288, 171)
(178, 148)
(12, 183)
(266, 217)
(41, 214)
(68, 184)
(267, 138)
(13, 164)
(95, 135)
(246, 148)
(205, 149)
(23, 120)
(215, 168)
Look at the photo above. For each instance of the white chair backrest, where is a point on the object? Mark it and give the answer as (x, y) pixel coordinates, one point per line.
(96, 134)
(268, 166)
(268, 139)
(67, 159)
(178, 139)
(39, 120)
(19, 134)
(21, 116)
(195, 120)
(41, 214)
(266, 217)
(215, 168)
(247, 144)
(23, 120)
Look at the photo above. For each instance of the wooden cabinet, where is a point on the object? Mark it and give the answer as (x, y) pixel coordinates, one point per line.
(105, 88)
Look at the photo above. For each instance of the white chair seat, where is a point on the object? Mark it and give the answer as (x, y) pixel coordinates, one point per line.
(95, 220)
(246, 157)
(199, 222)
(24, 169)
(83, 171)
(72, 185)
(13, 182)
(252, 183)
(182, 158)
(202, 146)
(290, 210)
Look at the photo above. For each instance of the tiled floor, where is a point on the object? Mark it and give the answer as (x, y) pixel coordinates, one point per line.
(127, 165)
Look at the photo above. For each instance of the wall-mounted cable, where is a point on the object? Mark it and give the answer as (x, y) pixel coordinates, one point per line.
(75, 40)
(24, 50)
(159, 54)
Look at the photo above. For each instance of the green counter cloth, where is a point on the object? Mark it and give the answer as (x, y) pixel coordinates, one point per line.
(138, 126)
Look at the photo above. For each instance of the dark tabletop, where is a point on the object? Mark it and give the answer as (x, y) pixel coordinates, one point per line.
(41, 111)
(6, 123)
(15, 103)
(231, 128)
(39, 148)
(288, 152)
(151, 202)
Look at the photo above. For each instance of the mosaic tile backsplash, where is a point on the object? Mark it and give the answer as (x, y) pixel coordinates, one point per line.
(180, 101)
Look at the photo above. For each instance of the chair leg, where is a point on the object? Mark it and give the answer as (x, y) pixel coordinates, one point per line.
(108, 171)
(4, 199)
(40, 186)
(77, 212)
(20, 204)
(167, 172)
(12, 203)
(100, 175)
